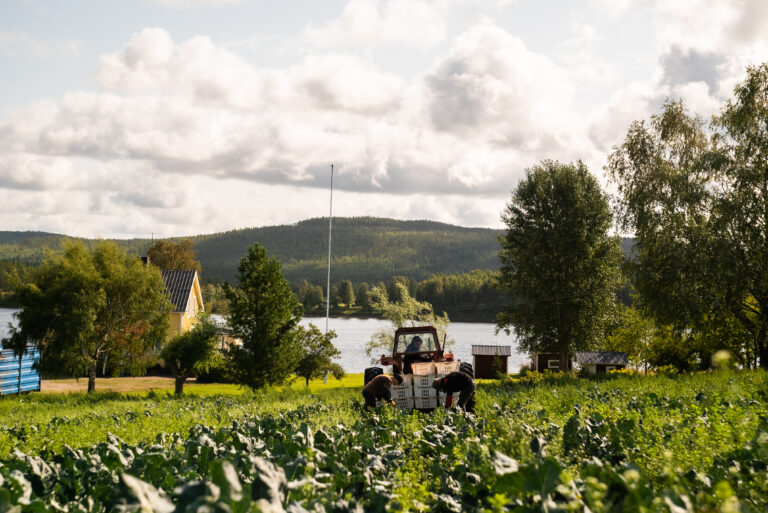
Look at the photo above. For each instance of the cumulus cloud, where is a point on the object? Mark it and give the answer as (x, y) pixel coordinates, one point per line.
(370, 23)
(179, 113)
(190, 136)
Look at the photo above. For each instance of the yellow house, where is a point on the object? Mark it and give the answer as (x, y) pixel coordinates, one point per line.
(183, 289)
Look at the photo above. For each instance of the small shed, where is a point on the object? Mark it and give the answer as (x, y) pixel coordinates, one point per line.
(600, 362)
(552, 362)
(489, 361)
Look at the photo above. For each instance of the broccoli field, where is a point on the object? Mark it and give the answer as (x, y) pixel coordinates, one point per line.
(624, 443)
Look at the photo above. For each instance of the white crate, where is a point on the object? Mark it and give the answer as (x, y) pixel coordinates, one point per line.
(424, 380)
(406, 403)
(407, 381)
(420, 369)
(425, 402)
(402, 392)
(424, 392)
(447, 367)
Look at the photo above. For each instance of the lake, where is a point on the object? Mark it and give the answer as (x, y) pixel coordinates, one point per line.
(353, 333)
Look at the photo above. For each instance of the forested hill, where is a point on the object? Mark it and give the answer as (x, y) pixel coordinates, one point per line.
(364, 249)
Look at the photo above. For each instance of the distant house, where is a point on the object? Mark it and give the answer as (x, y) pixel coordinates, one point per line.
(600, 362)
(550, 361)
(183, 289)
(485, 357)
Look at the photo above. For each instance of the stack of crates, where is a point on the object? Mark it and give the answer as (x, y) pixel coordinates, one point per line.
(416, 389)
(424, 396)
(442, 369)
(403, 394)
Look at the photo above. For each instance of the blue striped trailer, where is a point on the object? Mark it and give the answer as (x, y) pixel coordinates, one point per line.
(15, 376)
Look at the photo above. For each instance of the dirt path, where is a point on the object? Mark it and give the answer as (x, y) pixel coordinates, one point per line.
(64, 386)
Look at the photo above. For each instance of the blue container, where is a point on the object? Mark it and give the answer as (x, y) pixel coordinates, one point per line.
(18, 377)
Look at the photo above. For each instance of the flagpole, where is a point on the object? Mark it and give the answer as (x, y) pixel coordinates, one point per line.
(328, 287)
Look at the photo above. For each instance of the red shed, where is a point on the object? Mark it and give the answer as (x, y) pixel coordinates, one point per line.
(552, 362)
(489, 361)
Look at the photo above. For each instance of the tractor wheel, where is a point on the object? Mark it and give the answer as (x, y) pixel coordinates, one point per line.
(372, 372)
(466, 368)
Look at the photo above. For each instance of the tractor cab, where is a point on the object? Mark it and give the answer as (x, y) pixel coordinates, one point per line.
(415, 345)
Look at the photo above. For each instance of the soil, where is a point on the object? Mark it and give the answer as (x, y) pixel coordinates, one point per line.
(64, 386)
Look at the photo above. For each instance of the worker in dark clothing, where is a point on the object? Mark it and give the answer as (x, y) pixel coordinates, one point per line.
(380, 387)
(458, 382)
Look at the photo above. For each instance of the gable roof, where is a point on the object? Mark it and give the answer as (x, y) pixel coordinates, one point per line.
(178, 286)
(602, 357)
(491, 350)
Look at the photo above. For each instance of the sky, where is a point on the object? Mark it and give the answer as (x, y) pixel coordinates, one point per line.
(179, 117)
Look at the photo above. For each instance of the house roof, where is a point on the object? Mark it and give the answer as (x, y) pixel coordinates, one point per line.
(601, 357)
(178, 285)
(491, 350)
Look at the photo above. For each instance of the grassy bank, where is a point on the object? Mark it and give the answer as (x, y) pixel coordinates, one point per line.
(657, 443)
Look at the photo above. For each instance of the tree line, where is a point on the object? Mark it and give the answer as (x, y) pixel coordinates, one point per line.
(464, 295)
(90, 309)
(695, 195)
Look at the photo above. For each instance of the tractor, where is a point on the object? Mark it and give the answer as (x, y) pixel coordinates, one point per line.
(417, 353)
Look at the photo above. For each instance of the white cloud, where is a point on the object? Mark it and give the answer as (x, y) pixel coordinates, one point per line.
(178, 116)
(21, 46)
(370, 23)
(191, 136)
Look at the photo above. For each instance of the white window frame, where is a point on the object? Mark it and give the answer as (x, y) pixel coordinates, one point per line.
(555, 366)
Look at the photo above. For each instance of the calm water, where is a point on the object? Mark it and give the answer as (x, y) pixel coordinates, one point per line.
(353, 333)
(6, 316)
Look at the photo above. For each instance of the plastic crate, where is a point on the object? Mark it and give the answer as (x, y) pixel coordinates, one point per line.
(447, 367)
(407, 381)
(423, 368)
(402, 392)
(424, 380)
(423, 403)
(406, 403)
(424, 392)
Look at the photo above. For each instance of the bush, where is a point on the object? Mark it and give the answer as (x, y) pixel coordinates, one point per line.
(218, 371)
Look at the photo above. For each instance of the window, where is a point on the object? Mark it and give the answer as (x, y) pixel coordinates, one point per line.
(416, 343)
(553, 364)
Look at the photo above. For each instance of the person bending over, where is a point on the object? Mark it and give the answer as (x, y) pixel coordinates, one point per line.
(380, 387)
(458, 382)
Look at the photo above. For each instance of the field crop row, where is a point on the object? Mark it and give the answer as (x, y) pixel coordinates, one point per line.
(685, 443)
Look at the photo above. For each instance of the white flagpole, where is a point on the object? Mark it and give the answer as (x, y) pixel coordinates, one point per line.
(328, 287)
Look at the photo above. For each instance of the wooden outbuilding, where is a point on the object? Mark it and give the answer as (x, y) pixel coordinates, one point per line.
(553, 362)
(600, 362)
(490, 361)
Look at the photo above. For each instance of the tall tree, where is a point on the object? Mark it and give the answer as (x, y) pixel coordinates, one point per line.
(405, 312)
(263, 314)
(362, 296)
(311, 296)
(695, 197)
(347, 293)
(317, 354)
(85, 308)
(558, 260)
(191, 352)
(170, 255)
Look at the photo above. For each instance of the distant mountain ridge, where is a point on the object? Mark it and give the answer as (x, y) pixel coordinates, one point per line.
(364, 249)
